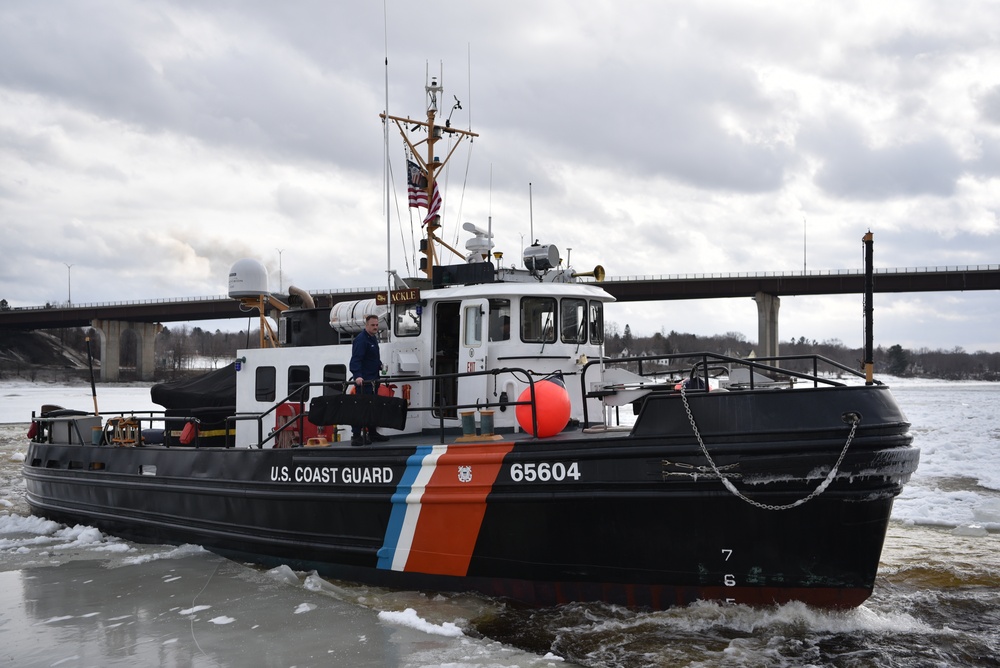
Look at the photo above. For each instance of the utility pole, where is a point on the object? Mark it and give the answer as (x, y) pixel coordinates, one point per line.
(803, 246)
(280, 284)
(69, 283)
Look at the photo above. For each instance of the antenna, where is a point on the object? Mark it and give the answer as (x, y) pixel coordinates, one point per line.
(489, 205)
(531, 214)
(469, 62)
(388, 201)
(435, 86)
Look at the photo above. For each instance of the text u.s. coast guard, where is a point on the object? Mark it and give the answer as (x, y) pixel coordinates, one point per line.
(347, 475)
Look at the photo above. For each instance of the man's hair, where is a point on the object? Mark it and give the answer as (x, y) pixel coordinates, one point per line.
(369, 317)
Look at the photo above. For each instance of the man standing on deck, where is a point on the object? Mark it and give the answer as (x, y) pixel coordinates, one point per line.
(365, 368)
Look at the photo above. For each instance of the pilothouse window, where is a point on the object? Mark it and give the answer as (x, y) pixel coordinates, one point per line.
(407, 319)
(499, 319)
(574, 320)
(596, 322)
(538, 320)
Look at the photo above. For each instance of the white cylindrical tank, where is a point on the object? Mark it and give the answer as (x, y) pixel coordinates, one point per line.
(247, 278)
(349, 317)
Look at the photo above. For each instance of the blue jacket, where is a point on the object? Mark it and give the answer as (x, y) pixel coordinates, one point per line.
(365, 360)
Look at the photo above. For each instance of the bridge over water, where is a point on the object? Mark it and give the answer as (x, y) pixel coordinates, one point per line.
(143, 317)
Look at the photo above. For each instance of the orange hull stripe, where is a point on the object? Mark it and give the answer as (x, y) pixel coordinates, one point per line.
(452, 511)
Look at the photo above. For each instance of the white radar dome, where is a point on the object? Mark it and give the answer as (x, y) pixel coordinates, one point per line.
(247, 278)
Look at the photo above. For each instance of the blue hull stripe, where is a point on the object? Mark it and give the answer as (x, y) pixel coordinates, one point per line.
(399, 506)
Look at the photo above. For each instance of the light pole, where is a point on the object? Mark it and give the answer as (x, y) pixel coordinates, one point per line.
(69, 283)
(804, 247)
(280, 286)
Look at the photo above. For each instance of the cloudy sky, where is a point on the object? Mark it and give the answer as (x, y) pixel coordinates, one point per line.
(152, 144)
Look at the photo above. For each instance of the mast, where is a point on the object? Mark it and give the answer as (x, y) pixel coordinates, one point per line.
(869, 241)
(431, 163)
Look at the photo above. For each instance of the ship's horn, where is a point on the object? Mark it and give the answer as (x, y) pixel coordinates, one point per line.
(597, 273)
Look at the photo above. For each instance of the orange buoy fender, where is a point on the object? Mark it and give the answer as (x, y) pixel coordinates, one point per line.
(553, 404)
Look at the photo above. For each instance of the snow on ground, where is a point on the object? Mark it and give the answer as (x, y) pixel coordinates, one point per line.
(18, 398)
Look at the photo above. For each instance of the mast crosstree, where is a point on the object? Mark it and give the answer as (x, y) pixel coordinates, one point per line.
(431, 164)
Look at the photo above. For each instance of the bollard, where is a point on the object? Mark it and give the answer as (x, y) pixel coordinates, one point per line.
(469, 423)
(486, 423)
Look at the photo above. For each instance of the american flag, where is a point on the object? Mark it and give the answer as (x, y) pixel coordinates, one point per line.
(417, 189)
(416, 181)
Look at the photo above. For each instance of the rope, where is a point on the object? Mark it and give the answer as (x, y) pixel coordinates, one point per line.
(855, 420)
(399, 220)
(465, 184)
(194, 636)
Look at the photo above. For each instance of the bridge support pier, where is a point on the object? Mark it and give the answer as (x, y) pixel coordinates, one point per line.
(767, 324)
(111, 342)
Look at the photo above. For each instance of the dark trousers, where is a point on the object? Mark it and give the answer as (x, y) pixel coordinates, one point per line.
(367, 387)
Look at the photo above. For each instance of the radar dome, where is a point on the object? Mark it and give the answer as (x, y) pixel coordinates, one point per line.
(247, 278)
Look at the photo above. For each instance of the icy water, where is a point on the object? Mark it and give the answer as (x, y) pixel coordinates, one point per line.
(72, 596)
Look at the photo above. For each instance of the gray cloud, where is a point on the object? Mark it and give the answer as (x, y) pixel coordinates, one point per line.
(851, 168)
(989, 105)
(659, 138)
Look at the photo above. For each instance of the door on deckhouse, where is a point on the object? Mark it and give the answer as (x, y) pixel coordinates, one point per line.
(472, 351)
(447, 321)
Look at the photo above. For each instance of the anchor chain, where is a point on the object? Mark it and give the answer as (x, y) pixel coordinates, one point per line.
(855, 420)
(695, 471)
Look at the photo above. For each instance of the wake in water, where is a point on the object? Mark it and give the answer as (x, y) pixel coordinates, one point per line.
(710, 634)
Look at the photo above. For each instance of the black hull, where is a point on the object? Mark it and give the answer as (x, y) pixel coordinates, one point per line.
(637, 519)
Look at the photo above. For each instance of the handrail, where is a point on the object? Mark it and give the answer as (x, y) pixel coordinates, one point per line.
(152, 417)
(704, 361)
(479, 405)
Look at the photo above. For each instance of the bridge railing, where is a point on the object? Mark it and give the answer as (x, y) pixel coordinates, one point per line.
(134, 302)
(794, 274)
(608, 279)
(170, 300)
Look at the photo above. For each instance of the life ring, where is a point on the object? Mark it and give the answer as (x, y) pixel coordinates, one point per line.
(32, 430)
